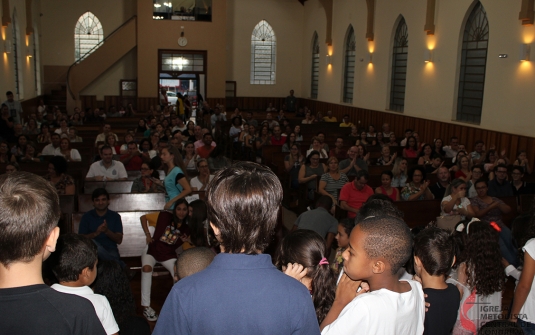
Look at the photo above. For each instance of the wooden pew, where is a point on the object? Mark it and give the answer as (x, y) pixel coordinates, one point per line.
(119, 186)
(526, 201)
(126, 202)
(67, 205)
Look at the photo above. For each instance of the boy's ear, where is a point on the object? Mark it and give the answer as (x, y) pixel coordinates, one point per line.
(417, 261)
(454, 259)
(51, 241)
(378, 267)
(217, 232)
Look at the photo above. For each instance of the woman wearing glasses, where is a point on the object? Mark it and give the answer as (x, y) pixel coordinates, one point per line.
(148, 182)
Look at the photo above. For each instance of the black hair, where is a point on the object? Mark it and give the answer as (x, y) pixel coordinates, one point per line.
(348, 225)
(113, 283)
(502, 327)
(98, 192)
(207, 134)
(378, 205)
(435, 249)
(414, 169)
(73, 253)
(387, 237)
(60, 164)
(104, 147)
(503, 166)
(306, 247)
(193, 260)
(415, 142)
(312, 153)
(388, 173)
(478, 166)
(324, 201)
(175, 217)
(362, 173)
(196, 223)
(143, 141)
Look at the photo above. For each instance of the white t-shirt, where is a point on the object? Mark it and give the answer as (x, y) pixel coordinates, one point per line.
(464, 203)
(529, 306)
(100, 303)
(75, 154)
(49, 150)
(196, 183)
(115, 171)
(382, 312)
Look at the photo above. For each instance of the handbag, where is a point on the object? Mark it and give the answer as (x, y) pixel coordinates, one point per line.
(447, 222)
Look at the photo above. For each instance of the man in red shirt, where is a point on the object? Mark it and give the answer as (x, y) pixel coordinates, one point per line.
(205, 150)
(354, 194)
(133, 159)
(277, 138)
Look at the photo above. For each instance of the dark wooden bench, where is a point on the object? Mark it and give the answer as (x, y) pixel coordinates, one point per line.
(119, 186)
(126, 202)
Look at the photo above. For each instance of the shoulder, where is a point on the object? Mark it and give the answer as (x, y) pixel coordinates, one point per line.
(529, 247)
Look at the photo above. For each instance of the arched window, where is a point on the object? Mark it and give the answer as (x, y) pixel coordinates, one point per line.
(399, 67)
(473, 65)
(349, 65)
(315, 67)
(263, 54)
(88, 34)
(17, 57)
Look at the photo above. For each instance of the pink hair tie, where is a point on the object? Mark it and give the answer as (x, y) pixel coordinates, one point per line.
(324, 261)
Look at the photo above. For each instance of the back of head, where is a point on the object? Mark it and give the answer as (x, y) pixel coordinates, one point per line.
(306, 247)
(30, 210)
(376, 205)
(502, 327)
(434, 247)
(193, 260)
(73, 254)
(243, 202)
(387, 237)
(113, 283)
(324, 201)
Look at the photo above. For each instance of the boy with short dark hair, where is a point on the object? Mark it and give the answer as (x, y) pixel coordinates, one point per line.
(378, 247)
(28, 233)
(75, 266)
(193, 260)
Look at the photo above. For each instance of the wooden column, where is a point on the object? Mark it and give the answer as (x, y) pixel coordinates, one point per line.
(526, 14)
(29, 19)
(370, 19)
(328, 7)
(429, 27)
(6, 18)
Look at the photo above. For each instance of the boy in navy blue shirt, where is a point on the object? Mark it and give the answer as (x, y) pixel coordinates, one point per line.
(240, 292)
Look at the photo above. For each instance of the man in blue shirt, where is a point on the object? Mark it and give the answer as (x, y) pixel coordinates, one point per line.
(103, 226)
(240, 292)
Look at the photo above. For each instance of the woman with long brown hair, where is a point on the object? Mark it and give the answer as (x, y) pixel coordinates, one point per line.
(176, 182)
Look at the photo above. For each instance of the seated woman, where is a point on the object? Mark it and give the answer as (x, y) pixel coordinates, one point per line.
(290, 140)
(411, 148)
(112, 142)
(127, 139)
(57, 168)
(455, 201)
(292, 164)
(5, 155)
(298, 135)
(145, 146)
(386, 186)
(249, 141)
(64, 149)
(417, 187)
(363, 140)
(522, 161)
(392, 141)
(141, 126)
(491, 209)
(310, 171)
(44, 135)
(20, 148)
(264, 138)
(190, 157)
(438, 147)
(317, 146)
(386, 158)
(464, 169)
(171, 229)
(201, 234)
(31, 128)
(332, 181)
(148, 182)
(426, 155)
(399, 171)
(29, 154)
(200, 182)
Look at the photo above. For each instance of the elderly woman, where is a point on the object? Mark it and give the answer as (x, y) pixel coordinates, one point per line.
(332, 181)
(57, 168)
(417, 187)
(455, 201)
(200, 182)
(310, 171)
(64, 149)
(491, 209)
(148, 182)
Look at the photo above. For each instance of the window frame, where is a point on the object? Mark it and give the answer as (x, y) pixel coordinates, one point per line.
(92, 25)
(259, 41)
(400, 58)
(350, 46)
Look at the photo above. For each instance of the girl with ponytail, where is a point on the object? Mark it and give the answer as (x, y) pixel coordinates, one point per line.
(302, 255)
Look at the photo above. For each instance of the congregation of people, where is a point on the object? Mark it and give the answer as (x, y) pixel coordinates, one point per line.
(350, 263)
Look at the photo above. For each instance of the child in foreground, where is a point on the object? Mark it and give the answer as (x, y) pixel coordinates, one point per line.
(434, 254)
(378, 248)
(75, 266)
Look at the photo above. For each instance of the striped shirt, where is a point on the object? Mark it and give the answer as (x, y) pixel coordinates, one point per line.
(333, 186)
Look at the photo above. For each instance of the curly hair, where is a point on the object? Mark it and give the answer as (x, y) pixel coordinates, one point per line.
(306, 247)
(112, 283)
(484, 269)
